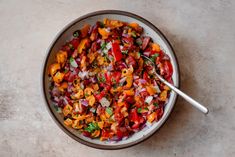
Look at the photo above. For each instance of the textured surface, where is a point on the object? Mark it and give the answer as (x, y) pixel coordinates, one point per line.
(203, 36)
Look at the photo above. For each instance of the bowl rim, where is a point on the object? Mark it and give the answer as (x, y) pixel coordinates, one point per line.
(65, 28)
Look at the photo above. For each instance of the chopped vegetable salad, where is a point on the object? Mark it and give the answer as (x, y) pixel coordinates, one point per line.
(103, 87)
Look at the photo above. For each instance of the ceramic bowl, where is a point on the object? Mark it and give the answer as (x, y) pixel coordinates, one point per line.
(66, 34)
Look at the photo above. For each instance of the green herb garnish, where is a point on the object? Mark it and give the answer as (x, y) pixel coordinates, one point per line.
(66, 70)
(153, 57)
(102, 79)
(155, 104)
(109, 110)
(146, 108)
(71, 47)
(76, 33)
(103, 46)
(125, 52)
(139, 110)
(133, 34)
(139, 42)
(92, 127)
(73, 62)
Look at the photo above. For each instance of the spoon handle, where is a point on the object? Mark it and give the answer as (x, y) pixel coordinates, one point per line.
(185, 96)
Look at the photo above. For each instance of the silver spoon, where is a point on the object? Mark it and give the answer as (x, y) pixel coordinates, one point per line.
(182, 94)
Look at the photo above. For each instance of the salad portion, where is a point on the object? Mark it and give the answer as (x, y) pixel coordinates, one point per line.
(102, 86)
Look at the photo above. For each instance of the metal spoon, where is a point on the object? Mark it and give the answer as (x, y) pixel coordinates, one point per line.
(182, 94)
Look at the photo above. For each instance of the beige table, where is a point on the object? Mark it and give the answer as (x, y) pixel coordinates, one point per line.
(203, 35)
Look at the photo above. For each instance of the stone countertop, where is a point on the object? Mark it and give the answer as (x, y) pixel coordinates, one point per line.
(203, 36)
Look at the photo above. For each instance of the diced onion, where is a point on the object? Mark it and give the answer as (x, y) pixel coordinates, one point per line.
(157, 88)
(104, 102)
(148, 99)
(83, 74)
(135, 77)
(73, 63)
(92, 110)
(109, 46)
(122, 81)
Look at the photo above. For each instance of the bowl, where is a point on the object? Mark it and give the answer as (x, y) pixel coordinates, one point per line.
(66, 34)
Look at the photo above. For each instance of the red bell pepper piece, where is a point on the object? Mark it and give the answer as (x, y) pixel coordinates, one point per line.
(107, 78)
(100, 95)
(106, 134)
(134, 116)
(146, 76)
(118, 115)
(116, 51)
(116, 76)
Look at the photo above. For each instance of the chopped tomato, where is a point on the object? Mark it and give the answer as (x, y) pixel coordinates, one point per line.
(116, 77)
(118, 115)
(105, 135)
(100, 95)
(134, 115)
(168, 70)
(116, 51)
(75, 42)
(146, 76)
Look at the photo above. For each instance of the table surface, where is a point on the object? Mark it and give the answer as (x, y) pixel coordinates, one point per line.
(203, 36)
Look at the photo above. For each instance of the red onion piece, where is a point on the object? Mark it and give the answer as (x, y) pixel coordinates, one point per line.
(110, 67)
(55, 91)
(122, 81)
(84, 102)
(147, 53)
(145, 42)
(120, 65)
(56, 99)
(135, 77)
(65, 101)
(125, 35)
(93, 80)
(142, 90)
(142, 81)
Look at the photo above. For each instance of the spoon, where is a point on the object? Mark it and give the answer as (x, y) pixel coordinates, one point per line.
(179, 92)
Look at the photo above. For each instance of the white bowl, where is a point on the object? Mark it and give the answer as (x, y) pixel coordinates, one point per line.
(66, 34)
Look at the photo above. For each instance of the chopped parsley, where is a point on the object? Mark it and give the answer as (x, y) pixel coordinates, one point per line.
(92, 127)
(113, 80)
(153, 57)
(155, 104)
(146, 108)
(103, 46)
(109, 110)
(139, 41)
(71, 47)
(76, 33)
(66, 70)
(103, 79)
(139, 110)
(125, 52)
(133, 34)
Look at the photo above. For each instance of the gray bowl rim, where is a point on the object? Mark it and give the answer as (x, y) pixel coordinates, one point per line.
(59, 34)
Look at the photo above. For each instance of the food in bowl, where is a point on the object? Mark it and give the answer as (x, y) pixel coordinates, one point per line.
(101, 84)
